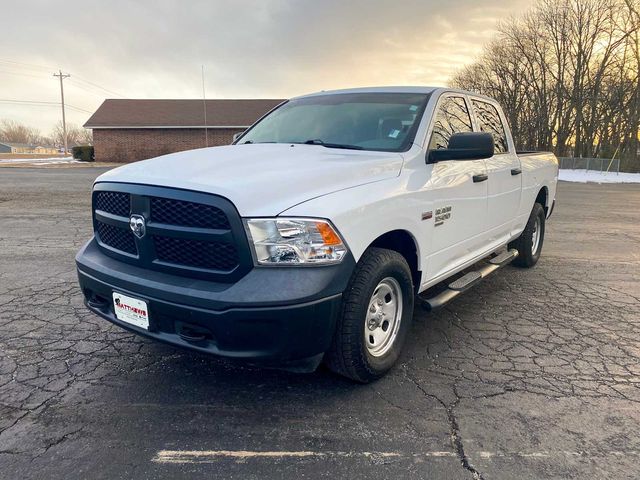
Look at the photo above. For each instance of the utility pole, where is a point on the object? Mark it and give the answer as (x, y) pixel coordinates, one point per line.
(64, 121)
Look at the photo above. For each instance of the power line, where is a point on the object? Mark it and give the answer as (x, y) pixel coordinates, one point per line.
(43, 104)
(30, 65)
(98, 86)
(35, 102)
(88, 90)
(79, 109)
(61, 76)
(81, 87)
(75, 84)
(41, 67)
(22, 74)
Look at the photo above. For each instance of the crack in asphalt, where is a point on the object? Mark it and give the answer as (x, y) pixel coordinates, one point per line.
(56, 442)
(454, 428)
(458, 444)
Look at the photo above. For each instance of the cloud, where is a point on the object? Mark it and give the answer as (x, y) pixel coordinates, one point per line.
(250, 48)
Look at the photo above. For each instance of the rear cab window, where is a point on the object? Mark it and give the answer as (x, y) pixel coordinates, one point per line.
(489, 121)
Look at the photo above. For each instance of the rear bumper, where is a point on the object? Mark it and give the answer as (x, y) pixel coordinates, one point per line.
(277, 316)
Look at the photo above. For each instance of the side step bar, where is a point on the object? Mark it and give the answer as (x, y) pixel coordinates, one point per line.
(470, 279)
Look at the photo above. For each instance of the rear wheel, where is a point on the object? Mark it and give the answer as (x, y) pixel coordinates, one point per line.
(376, 314)
(529, 243)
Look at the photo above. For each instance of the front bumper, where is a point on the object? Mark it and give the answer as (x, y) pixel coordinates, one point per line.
(273, 315)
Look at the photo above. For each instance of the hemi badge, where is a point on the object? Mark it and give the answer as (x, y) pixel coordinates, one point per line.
(427, 215)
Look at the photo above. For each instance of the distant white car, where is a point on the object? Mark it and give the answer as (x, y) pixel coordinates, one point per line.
(309, 238)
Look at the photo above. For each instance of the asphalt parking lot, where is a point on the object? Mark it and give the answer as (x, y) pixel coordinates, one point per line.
(532, 374)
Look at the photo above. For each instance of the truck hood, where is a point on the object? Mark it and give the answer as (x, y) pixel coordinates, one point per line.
(262, 179)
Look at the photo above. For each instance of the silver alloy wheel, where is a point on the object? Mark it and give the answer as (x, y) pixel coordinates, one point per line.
(535, 236)
(383, 317)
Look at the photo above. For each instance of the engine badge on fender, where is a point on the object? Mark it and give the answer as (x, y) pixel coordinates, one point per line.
(442, 214)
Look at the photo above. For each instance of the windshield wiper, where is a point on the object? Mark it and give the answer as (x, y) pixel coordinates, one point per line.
(317, 141)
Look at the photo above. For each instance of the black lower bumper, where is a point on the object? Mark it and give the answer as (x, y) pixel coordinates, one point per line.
(276, 316)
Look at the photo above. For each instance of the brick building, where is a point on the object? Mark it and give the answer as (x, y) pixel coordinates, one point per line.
(131, 130)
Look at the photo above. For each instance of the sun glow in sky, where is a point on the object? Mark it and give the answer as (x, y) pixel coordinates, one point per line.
(249, 49)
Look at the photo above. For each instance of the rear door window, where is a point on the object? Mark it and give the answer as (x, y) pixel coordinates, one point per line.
(490, 122)
(452, 117)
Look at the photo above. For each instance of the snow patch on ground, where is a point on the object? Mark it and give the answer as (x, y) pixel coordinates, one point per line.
(40, 161)
(584, 176)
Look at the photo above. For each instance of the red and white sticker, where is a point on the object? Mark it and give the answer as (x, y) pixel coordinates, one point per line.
(131, 310)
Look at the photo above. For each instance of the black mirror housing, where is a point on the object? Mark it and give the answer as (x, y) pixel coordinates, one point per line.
(464, 146)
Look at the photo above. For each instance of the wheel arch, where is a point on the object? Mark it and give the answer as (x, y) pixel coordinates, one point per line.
(403, 242)
(543, 199)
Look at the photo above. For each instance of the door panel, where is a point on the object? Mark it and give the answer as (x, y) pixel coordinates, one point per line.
(505, 177)
(503, 195)
(459, 214)
(459, 205)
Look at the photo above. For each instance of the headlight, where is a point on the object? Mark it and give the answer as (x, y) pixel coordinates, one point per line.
(294, 241)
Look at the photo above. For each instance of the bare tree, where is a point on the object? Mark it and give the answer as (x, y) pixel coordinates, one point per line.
(75, 135)
(15, 132)
(566, 73)
(12, 131)
(86, 136)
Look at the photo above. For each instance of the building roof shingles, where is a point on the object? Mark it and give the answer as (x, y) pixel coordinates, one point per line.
(120, 113)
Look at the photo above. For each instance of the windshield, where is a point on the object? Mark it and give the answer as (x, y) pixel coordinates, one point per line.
(361, 121)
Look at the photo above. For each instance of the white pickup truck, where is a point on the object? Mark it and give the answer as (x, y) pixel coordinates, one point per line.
(310, 237)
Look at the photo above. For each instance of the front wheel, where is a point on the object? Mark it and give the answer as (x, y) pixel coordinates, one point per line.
(376, 315)
(529, 243)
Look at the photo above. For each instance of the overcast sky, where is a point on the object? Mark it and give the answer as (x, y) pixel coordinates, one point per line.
(249, 49)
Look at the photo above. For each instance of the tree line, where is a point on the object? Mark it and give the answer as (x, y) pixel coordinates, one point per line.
(15, 132)
(567, 75)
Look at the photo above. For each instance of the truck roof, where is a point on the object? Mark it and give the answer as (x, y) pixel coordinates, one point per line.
(397, 89)
(390, 89)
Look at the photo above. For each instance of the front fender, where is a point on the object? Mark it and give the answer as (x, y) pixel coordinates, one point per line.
(364, 213)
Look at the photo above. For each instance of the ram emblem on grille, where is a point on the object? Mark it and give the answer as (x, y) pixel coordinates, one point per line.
(137, 225)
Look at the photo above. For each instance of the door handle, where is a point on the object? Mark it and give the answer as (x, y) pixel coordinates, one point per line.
(480, 178)
(516, 171)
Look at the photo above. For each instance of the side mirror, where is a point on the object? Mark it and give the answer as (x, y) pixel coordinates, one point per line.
(464, 146)
(236, 136)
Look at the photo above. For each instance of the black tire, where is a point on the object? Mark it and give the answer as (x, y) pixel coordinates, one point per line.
(527, 257)
(349, 354)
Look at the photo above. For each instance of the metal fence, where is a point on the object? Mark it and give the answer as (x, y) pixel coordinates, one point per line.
(596, 164)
